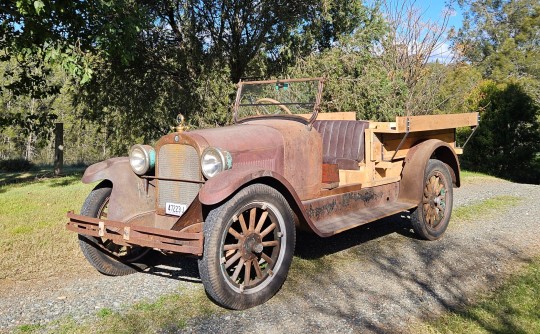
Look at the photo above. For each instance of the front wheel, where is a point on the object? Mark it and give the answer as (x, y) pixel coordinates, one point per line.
(248, 247)
(430, 219)
(103, 254)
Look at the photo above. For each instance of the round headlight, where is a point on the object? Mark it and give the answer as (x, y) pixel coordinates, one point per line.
(215, 160)
(142, 158)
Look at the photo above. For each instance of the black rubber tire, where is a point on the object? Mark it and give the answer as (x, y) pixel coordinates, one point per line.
(418, 217)
(91, 247)
(213, 272)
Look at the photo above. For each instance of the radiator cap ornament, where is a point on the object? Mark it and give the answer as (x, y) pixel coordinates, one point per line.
(180, 120)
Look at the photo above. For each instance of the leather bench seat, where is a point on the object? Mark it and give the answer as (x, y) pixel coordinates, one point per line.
(342, 142)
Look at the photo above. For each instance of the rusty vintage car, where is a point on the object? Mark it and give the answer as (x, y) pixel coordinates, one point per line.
(234, 196)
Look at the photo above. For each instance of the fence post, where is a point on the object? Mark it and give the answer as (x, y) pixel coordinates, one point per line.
(58, 148)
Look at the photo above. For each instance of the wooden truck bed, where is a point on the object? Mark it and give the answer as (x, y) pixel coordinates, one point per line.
(386, 144)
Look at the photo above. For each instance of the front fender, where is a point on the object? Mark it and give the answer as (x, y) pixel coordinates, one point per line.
(412, 177)
(130, 196)
(106, 170)
(227, 182)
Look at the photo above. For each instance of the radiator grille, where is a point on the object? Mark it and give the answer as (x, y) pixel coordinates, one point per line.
(181, 162)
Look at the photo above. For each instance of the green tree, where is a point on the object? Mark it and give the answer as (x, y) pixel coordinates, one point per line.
(501, 36)
(136, 64)
(508, 139)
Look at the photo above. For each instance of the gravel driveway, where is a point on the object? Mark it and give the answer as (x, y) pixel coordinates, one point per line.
(379, 277)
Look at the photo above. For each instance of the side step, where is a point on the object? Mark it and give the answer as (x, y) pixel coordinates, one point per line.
(336, 224)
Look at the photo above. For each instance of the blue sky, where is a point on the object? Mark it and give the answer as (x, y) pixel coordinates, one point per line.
(434, 11)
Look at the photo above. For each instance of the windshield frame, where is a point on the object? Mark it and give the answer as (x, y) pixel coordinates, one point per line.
(314, 112)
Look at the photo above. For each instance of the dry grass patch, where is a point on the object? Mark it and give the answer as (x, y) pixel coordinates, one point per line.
(33, 241)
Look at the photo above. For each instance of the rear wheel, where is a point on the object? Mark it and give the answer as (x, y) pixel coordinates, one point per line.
(248, 247)
(107, 257)
(430, 219)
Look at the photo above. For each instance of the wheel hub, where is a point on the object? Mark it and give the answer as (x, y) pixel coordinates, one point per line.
(252, 245)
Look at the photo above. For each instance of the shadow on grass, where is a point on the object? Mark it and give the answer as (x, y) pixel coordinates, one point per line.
(69, 176)
(66, 180)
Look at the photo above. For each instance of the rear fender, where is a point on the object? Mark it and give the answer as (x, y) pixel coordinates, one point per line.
(130, 196)
(412, 177)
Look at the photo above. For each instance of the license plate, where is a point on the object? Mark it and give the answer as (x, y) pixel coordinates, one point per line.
(175, 209)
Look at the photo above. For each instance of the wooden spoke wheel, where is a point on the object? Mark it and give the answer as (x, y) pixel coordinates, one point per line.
(430, 219)
(103, 254)
(251, 247)
(249, 244)
(434, 201)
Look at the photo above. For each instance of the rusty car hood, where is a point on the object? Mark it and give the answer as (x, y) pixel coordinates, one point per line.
(249, 144)
(287, 147)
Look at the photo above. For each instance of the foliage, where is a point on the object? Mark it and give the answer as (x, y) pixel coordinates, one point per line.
(456, 91)
(355, 82)
(137, 64)
(383, 68)
(508, 139)
(502, 37)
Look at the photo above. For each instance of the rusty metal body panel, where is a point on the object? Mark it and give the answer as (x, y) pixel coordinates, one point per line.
(186, 241)
(131, 195)
(250, 145)
(302, 156)
(341, 204)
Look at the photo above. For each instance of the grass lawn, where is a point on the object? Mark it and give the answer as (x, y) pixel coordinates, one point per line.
(484, 209)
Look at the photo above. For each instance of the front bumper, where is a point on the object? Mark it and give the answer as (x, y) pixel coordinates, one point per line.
(129, 235)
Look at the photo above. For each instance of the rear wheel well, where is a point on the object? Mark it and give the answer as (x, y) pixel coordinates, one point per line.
(445, 155)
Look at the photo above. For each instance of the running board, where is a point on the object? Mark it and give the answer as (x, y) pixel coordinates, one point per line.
(336, 224)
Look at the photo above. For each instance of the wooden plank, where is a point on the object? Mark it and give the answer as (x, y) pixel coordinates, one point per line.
(436, 122)
(391, 142)
(376, 147)
(332, 116)
(383, 126)
(384, 164)
(351, 177)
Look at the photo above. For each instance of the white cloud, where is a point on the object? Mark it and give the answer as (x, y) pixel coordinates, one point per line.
(443, 53)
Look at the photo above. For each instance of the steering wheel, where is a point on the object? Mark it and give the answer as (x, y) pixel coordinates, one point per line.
(276, 102)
